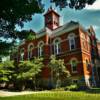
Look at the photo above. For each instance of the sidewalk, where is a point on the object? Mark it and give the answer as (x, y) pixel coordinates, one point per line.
(4, 93)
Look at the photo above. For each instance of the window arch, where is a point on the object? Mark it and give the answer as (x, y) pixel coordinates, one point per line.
(57, 46)
(71, 38)
(22, 54)
(30, 50)
(83, 36)
(87, 64)
(74, 63)
(40, 48)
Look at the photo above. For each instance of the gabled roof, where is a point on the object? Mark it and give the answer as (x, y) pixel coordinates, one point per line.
(62, 29)
(51, 10)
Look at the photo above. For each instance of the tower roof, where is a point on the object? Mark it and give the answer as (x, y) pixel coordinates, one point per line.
(51, 10)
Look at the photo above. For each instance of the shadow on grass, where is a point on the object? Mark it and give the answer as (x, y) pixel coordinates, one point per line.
(93, 91)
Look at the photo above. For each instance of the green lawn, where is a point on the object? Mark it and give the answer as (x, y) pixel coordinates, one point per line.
(61, 95)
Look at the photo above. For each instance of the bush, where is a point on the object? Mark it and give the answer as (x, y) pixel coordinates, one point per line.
(58, 89)
(73, 87)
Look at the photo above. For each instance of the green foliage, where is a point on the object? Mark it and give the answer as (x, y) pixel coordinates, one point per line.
(73, 87)
(28, 69)
(6, 71)
(58, 66)
(58, 70)
(18, 75)
(14, 12)
(25, 34)
(5, 48)
(30, 37)
(77, 4)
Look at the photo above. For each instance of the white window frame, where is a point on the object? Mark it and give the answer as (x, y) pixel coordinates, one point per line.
(71, 37)
(22, 54)
(30, 49)
(57, 47)
(40, 48)
(72, 65)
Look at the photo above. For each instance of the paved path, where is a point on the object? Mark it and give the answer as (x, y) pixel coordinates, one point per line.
(4, 93)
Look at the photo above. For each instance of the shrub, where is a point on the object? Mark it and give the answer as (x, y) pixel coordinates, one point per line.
(73, 87)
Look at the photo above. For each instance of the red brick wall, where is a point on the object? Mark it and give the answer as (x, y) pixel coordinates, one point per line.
(66, 54)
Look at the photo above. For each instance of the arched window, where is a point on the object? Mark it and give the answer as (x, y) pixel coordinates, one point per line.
(87, 64)
(40, 48)
(74, 65)
(22, 54)
(57, 47)
(30, 50)
(71, 38)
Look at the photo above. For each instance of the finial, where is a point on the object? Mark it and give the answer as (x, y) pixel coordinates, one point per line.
(51, 7)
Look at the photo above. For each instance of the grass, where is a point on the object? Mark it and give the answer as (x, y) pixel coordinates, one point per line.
(57, 95)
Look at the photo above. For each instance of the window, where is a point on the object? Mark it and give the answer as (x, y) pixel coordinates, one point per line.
(87, 64)
(22, 54)
(57, 48)
(40, 48)
(71, 39)
(30, 49)
(84, 45)
(74, 66)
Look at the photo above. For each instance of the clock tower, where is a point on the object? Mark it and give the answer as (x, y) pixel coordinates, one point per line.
(51, 19)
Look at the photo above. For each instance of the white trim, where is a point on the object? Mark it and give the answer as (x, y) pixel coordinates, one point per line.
(73, 59)
(40, 48)
(64, 29)
(71, 37)
(60, 31)
(22, 54)
(57, 45)
(30, 51)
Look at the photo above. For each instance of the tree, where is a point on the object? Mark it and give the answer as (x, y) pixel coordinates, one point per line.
(19, 75)
(27, 70)
(14, 12)
(7, 72)
(58, 69)
(2, 74)
(76, 4)
(5, 48)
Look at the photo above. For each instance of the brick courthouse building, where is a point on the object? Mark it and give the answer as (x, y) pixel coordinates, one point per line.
(71, 42)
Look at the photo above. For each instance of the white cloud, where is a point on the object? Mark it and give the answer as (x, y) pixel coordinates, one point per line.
(95, 27)
(95, 6)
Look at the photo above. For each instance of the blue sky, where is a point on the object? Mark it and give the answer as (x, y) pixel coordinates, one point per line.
(88, 16)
